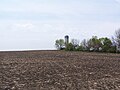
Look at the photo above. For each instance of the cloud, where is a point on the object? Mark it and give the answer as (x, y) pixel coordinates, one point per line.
(59, 10)
(26, 26)
(38, 23)
(118, 1)
(54, 7)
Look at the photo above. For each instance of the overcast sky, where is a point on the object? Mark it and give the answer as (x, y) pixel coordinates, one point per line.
(36, 24)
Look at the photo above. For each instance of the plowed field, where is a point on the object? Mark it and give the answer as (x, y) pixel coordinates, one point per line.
(59, 70)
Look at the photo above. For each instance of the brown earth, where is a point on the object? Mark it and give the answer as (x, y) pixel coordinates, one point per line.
(59, 70)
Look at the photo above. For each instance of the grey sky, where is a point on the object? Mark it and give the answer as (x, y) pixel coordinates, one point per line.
(36, 24)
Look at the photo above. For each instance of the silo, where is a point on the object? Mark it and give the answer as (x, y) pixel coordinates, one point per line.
(66, 39)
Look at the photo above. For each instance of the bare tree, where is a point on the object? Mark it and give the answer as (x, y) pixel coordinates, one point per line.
(84, 44)
(75, 42)
(117, 39)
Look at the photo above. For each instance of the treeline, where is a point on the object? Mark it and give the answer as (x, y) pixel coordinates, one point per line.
(94, 44)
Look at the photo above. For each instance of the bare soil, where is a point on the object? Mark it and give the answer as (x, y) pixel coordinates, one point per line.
(59, 70)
